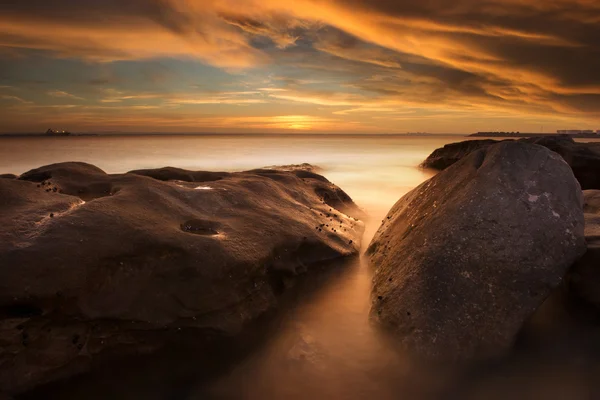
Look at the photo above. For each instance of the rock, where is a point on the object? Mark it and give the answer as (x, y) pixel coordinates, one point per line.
(584, 158)
(584, 277)
(296, 167)
(591, 201)
(170, 174)
(468, 256)
(85, 181)
(129, 263)
(8, 176)
(451, 153)
(328, 193)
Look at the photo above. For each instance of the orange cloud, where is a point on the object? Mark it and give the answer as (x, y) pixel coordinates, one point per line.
(529, 58)
(130, 39)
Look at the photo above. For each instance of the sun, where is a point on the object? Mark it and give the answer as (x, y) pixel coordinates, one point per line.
(300, 127)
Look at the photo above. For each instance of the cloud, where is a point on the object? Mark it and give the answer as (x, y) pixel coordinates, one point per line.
(14, 99)
(173, 99)
(526, 57)
(276, 30)
(348, 47)
(114, 30)
(63, 94)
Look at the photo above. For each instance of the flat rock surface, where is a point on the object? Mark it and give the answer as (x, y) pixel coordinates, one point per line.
(464, 259)
(94, 265)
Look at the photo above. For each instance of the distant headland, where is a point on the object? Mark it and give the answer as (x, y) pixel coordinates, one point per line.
(571, 133)
(48, 133)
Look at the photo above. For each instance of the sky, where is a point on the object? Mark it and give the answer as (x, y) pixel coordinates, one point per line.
(297, 66)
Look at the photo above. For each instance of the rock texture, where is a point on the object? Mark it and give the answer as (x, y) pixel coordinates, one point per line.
(591, 201)
(170, 173)
(584, 277)
(584, 158)
(451, 153)
(464, 259)
(94, 265)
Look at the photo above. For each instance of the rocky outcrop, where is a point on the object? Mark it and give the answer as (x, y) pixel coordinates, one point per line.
(95, 265)
(451, 153)
(464, 259)
(584, 277)
(8, 176)
(584, 158)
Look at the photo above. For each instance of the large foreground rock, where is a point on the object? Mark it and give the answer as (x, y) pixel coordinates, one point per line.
(584, 277)
(464, 259)
(584, 158)
(94, 265)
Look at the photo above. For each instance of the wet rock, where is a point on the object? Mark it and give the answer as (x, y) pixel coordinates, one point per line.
(583, 158)
(473, 252)
(128, 272)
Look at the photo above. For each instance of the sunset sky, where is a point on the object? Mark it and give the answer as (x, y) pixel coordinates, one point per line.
(353, 66)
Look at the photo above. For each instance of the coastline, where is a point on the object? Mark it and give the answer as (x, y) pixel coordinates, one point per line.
(252, 134)
(526, 135)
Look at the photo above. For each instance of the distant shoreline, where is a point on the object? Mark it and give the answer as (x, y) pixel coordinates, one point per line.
(46, 135)
(300, 134)
(525, 135)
